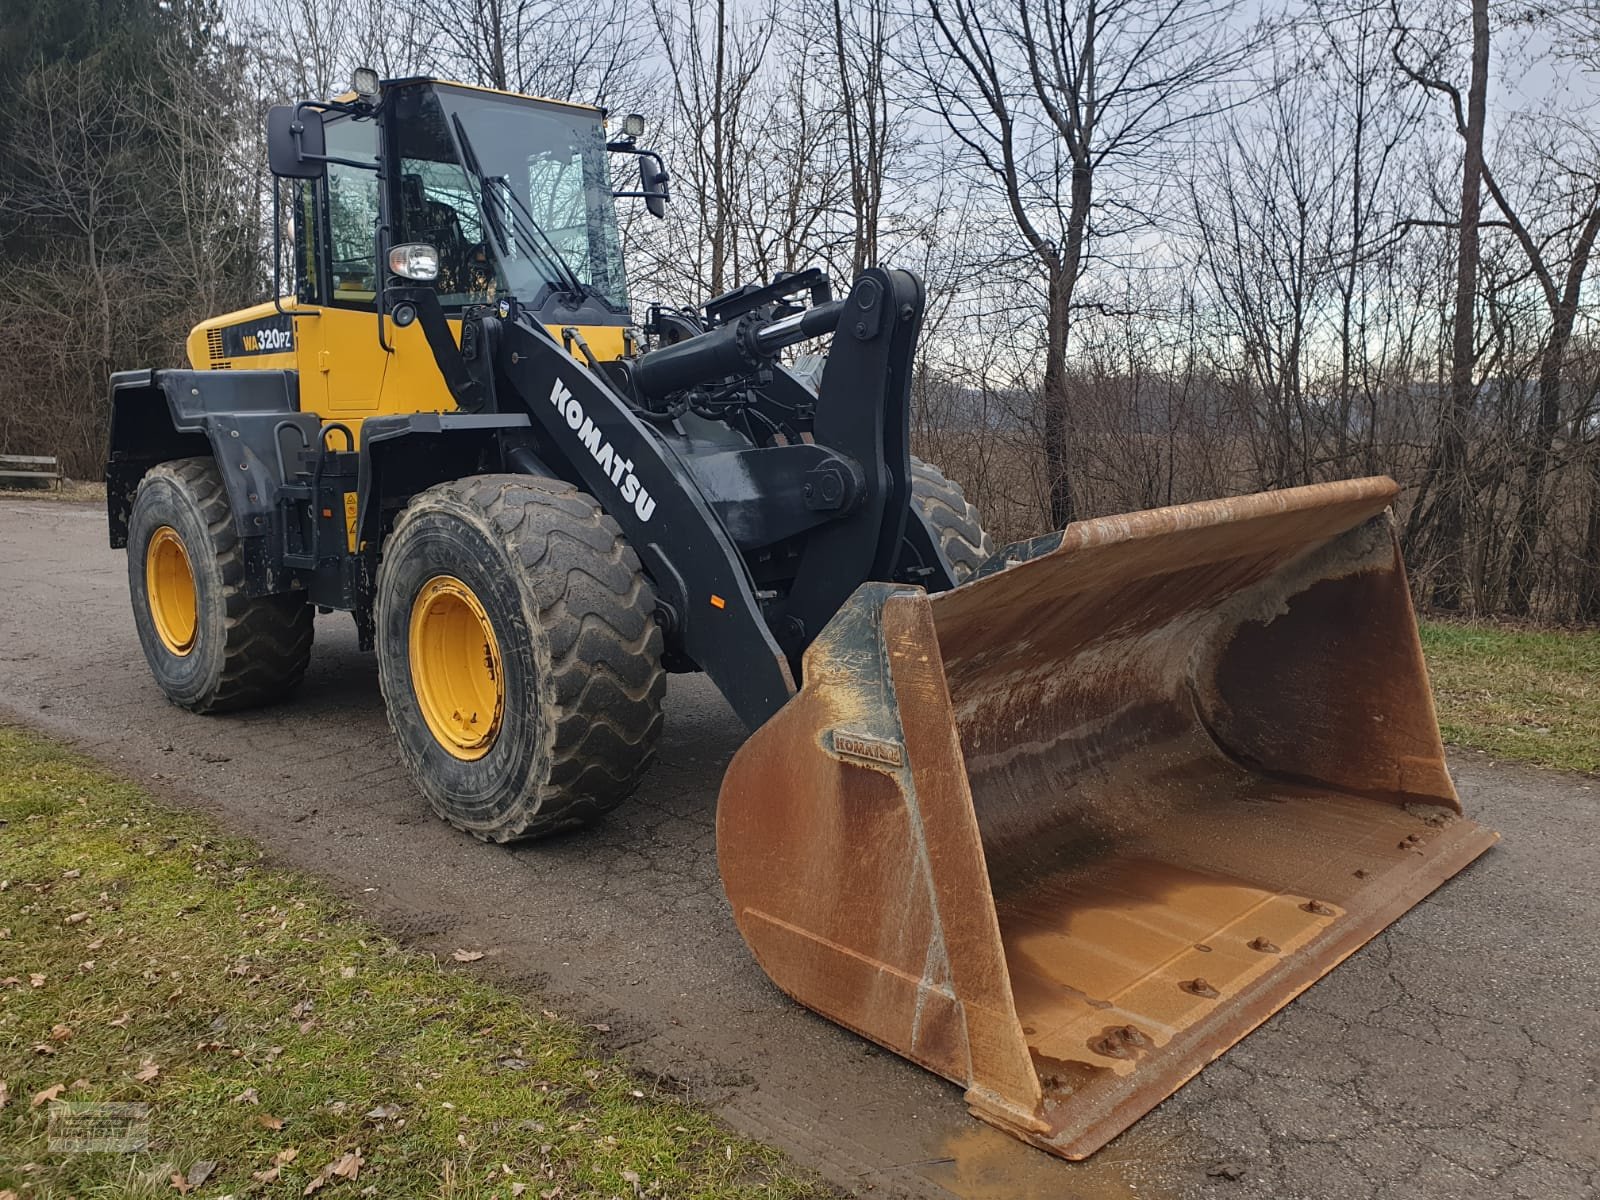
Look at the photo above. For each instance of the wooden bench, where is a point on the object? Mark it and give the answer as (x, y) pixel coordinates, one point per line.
(29, 471)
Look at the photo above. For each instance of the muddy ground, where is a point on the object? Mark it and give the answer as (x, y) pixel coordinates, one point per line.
(1456, 1055)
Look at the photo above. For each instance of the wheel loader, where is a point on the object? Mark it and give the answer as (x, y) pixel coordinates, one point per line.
(1060, 822)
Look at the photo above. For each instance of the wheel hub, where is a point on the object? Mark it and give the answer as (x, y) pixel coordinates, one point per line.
(455, 668)
(169, 582)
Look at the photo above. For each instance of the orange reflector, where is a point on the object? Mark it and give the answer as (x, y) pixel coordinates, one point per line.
(717, 601)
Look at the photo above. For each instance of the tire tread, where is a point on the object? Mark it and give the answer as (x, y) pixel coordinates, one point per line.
(268, 638)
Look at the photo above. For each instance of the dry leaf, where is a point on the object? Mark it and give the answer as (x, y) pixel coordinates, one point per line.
(77, 918)
(201, 1171)
(347, 1166)
(36, 980)
(147, 1072)
(267, 1121)
(467, 955)
(248, 1096)
(517, 1189)
(285, 1156)
(72, 874)
(49, 1094)
(5, 934)
(270, 1175)
(4, 1095)
(182, 1184)
(96, 944)
(44, 1048)
(384, 1112)
(347, 972)
(7, 1194)
(122, 1021)
(60, 1033)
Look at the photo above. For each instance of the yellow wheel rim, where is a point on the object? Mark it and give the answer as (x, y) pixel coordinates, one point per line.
(169, 582)
(455, 668)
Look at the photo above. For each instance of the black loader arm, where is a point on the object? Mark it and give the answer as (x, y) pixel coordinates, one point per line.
(808, 492)
(704, 592)
(863, 412)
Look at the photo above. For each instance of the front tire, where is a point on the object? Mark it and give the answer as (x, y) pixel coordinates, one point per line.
(211, 647)
(518, 654)
(955, 521)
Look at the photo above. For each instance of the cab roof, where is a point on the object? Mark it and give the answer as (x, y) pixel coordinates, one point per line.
(474, 87)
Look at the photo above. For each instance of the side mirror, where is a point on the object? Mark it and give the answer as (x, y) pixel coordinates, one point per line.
(295, 142)
(653, 183)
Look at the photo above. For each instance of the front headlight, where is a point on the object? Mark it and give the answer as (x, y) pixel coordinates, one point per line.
(414, 260)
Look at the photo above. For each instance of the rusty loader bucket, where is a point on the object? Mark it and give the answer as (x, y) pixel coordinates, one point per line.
(1068, 832)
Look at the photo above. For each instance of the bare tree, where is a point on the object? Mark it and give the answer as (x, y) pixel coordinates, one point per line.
(584, 50)
(715, 61)
(1561, 287)
(1051, 99)
(1446, 476)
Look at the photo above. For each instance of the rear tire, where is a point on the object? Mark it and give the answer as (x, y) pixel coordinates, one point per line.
(570, 649)
(955, 521)
(211, 647)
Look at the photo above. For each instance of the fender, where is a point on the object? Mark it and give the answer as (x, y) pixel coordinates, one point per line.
(406, 454)
(246, 420)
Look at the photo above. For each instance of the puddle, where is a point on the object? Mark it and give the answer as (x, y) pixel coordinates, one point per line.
(986, 1164)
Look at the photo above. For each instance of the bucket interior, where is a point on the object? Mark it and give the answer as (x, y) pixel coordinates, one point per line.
(1198, 760)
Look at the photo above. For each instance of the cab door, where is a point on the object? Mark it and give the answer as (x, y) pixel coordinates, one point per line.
(341, 347)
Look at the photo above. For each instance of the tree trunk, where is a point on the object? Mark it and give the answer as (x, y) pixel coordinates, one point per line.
(1449, 586)
(1530, 507)
(1063, 271)
(1057, 431)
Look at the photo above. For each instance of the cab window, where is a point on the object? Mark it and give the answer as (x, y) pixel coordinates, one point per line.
(352, 208)
(437, 204)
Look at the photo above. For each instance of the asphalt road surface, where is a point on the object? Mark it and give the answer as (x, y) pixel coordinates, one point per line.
(1454, 1056)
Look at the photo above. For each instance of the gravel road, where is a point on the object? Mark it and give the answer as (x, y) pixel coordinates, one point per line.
(1454, 1056)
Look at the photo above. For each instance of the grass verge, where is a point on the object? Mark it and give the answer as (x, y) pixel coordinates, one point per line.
(283, 1047)
(1524, 694)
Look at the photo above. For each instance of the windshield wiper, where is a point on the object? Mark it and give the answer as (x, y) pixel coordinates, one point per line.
(566, 279)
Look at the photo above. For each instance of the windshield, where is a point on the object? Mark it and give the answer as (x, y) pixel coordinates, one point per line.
(548, 196)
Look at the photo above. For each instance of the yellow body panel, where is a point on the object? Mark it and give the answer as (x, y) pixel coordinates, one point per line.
(346, 375)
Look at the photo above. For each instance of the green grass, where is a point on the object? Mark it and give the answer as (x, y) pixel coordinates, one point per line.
(132, 935)
(1528, 695)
